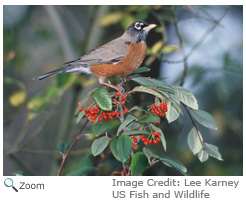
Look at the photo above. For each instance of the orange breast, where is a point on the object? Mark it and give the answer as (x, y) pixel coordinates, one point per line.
(132, 61)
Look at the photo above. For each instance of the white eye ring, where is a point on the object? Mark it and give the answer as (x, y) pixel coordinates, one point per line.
(137, 26)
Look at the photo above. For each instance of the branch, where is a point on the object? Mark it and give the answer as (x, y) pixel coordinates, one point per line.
(196, 45)
(64, 157)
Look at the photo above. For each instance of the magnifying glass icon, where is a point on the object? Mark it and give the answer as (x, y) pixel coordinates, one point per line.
(8, 182)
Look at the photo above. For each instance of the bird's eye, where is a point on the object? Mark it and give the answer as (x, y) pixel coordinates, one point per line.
(137, 26)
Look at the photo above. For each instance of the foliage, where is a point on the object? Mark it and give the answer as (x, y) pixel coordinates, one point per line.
(138, 126)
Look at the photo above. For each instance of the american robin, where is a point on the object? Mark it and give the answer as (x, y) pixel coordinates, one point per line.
(117, 58)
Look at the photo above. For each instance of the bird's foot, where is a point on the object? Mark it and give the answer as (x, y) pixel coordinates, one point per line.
(116, 87)
(119, 87)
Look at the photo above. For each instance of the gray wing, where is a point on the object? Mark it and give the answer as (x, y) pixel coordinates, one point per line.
(112, 52)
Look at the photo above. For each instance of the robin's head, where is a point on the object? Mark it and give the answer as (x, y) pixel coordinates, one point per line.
(138, 31)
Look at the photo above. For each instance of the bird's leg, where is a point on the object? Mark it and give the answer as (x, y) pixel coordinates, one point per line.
(122, 84)
(119, 87)
(110, 85)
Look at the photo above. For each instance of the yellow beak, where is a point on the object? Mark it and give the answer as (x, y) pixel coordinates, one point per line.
(149, 27)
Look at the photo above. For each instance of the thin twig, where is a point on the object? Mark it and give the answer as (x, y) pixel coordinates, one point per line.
(64, 157)
(195, 46)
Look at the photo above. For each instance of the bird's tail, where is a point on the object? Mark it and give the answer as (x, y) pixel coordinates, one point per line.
(66, 69)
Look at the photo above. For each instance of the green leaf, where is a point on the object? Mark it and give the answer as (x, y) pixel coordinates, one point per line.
(186, 97)
(203, 155)
(163, 140)
(85, 98)
(148, 90)
(121, 147)
(99, 145)
(204, 118)
(172, 113)
(174, 98)
(213, 151)
(136, 108)
(138, 164)
(83, 167)
(100, 127)
(150, 118)
(103, 99)
(63, 147)
(193, 140)
(81, 171)
(80, 116)
(149, 154)
(174, 164)
(150, 82)
(126, 122)
(20, 173)
(135, 132)
(142, 70)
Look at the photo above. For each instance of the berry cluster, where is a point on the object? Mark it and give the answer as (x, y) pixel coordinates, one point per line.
(159, 110)
(153, 139)
(93, 112)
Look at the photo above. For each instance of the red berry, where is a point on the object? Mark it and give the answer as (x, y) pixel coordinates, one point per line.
(157, 112)
(118, 94)
(124, 113)
(80, 109)
(165, 103)
(146, 143)
(92, 121)
(141, 136)
(91, 111)
(158, 139)
(150, 141)
(133, 136)
(96, 111)
(165, 110)
(87, 115)
(135, 140)
(123, 102)
(157, 123)
(157, 134)
(105, 117)
(104, 113)
(118, 113)
(126, 109)
(153, 106)
(79, 103)
(155, 142)
(144, 139)
(86, 110)
(111, 118)
(113, 113)
(133, 145)
(124, 97)
(153, 111)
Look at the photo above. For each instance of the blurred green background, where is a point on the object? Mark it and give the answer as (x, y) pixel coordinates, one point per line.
(39, 114)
